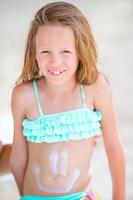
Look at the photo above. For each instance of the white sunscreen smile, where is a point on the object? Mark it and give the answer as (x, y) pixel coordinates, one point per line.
(53, 159)
(58, 165)
(64, 189)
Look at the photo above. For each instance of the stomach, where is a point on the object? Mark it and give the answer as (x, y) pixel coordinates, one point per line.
(55, 169)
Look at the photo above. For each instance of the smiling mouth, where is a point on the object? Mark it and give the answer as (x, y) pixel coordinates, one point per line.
(56, 72)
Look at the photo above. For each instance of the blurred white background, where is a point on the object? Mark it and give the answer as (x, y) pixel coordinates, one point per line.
(112, 25)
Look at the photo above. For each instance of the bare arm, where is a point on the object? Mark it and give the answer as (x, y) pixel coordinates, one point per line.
(111, 137)
(18, 158)
(5, 150)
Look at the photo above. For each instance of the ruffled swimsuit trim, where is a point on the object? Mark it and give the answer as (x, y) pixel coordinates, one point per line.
(76, 124)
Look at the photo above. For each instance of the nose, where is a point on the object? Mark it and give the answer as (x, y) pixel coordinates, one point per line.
(55, 59)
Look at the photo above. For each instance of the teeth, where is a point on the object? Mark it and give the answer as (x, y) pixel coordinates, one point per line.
(56, 72)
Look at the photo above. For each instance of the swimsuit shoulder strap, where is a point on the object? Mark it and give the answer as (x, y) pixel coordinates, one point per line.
(37, 97)
(83, 96)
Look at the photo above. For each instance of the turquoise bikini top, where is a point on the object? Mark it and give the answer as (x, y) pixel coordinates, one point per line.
(76, 124)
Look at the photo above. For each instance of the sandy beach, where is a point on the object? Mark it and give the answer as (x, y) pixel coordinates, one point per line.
(112, 25)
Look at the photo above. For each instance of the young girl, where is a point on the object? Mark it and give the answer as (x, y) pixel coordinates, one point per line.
(60, 105)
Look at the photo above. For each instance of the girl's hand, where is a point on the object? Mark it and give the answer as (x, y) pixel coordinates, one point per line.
(5, 150)
(1, 147)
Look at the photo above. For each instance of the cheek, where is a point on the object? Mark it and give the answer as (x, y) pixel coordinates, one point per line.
(75, 64)
(72, 61)
(75, 60)
(40, 60)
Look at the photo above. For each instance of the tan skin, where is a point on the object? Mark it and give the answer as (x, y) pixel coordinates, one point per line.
(26, 156)
(5, 150)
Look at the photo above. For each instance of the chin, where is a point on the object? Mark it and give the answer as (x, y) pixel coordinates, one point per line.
(55, 82)
(58, 83)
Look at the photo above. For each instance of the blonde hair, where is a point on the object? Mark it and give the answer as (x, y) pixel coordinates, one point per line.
(65, 14)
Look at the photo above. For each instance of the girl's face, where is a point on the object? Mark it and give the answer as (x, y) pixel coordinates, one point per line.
(56, 53)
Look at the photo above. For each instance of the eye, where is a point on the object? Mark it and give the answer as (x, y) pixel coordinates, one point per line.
(45, 51)
(66, 51)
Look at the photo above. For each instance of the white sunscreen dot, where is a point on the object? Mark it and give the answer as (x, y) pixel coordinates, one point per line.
(53, 159)
(63, 163)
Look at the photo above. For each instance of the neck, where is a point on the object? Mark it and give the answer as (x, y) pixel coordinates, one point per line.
(60, 90)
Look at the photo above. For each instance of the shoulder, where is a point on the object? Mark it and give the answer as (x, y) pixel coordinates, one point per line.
(102, 92)
(20, 96)
(22, 90)
(99, 92)
(102, 85)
